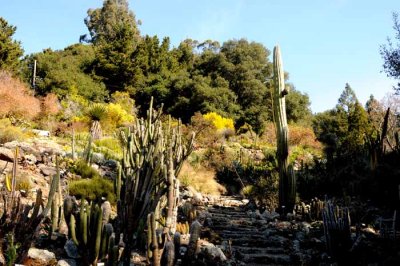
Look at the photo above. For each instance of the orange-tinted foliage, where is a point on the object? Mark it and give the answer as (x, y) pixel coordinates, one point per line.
(298, 136)
(50, 104)
(16, 99)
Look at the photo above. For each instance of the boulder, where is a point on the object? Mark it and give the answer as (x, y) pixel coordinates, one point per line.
(71, 249)
(41, 254)
(212, 253)
(6, 154)
(48, 170)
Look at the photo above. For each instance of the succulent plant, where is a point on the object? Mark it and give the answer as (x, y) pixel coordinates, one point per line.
(287, 181)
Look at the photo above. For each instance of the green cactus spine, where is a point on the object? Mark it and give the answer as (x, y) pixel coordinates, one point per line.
(287, 182)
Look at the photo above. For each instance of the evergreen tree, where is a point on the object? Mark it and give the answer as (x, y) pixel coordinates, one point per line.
(10, 50)
(115, 35)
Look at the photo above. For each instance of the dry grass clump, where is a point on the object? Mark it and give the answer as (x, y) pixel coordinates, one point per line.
(16, 99)
(201, 179)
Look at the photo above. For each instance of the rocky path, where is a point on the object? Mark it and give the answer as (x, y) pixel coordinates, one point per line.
(254, 238)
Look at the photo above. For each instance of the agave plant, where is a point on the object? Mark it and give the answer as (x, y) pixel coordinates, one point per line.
(96, 112)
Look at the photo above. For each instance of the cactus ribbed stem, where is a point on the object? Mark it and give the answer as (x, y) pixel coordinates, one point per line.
(287, 183)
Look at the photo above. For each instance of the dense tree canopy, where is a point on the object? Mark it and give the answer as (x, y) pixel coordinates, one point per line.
(230, 79)
(65, 70)
(343, 129)
(10, 50)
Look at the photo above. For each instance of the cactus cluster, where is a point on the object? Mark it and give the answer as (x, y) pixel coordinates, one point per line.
(89, 229)
(20, 221)
(153, 157)
(287, 181)
(337, 231)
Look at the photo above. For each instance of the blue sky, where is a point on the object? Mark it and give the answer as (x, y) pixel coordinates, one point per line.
(325, 43)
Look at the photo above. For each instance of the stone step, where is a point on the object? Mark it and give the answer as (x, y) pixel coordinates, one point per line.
(256, 242)
(258, 250)
(275, 259)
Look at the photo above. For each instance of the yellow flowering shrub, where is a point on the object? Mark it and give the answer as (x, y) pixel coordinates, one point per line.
(219, 122)
(116, 116)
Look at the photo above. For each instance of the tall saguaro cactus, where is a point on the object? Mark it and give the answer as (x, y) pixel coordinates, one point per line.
(287, 184)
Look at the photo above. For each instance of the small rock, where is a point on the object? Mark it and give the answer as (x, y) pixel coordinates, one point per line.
(97, 158)
(67, 262)
(197, 198)
(48, 171)
(71, 249)
(30, 159)
(283, 225)
(41, 254)
(270, 216)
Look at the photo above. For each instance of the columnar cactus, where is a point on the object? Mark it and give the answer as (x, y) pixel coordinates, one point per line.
(195, 229)
(287, 182)
(155, 240)
(89, 229)
(16, 219)
(337, 231)
(153, 156)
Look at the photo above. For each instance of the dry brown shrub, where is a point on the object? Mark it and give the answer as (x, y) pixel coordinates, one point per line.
(50, 104)
(303, 136)
(16, 99)
(298, 136)
(200, 178)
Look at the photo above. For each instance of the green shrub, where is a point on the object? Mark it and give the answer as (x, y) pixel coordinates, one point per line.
(92, 189)
(9, 132)
(110, 147)
(84, 170)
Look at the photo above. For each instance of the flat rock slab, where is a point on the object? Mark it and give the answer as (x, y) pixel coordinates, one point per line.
(6, 155)
(41, 254)
(48, 170)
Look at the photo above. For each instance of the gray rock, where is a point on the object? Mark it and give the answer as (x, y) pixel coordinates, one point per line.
(41, 254)
(6, 154)
(48, 170)
(67, 262)
(213, 253)
(71, 249)
(30, 159)
(97, 158)
(270, 216)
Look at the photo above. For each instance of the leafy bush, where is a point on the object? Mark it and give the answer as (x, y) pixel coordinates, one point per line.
(92, 189)
(84, 170)
(110, 147)
(15, 98)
